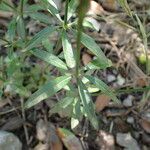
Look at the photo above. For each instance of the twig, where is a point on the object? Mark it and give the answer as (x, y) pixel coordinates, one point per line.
(24, 125)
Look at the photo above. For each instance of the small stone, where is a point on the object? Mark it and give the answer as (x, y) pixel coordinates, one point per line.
(111, 78)
(127, 141)
(120, 80)
(8, 141)
(146, 115)
(130, 120)
(128, 101)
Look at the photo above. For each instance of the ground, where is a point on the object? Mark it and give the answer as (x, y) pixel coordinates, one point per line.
(123, 45)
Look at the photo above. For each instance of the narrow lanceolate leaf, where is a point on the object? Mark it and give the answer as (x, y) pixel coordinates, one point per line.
(52, 8)
(95, 64)
(41, 17)
(72, 8)
(21, 27)
(76, 113)
(47, 90)
(103, 87)
(48, 45)
(62, 104)
(88, 105)
(33, 8)
(12, 29)
(68, 51)
(37, 39)
(89, 42)
(142, 29)
(49, 58)
(125, 6)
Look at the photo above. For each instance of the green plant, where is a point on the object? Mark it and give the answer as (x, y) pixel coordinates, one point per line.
(144, 57)
(77, 96)
(140, 29)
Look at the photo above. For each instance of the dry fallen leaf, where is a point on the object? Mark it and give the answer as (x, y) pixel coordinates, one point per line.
(86, 58)
(102, 101)
(95, 9)
(55, 143)
(69, 139)
(46, 133)
(41, 129)
(106, 141)
(145, 125)
(141, 82)
(110, 5)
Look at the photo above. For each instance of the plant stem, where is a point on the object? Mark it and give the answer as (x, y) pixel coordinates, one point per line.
(81, 15)
(146, 53)
(132, 90)
(66, 13)
(21, 8)
(127, 91)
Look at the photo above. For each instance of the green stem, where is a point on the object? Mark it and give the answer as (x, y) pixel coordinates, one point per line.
(131, 90)
(21, 8)
(81, 14)
(127, 91)
(66, 13)
(146, 53)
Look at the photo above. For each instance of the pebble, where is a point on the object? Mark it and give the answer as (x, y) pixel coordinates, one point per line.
(127, 141)
(111, 78)
(8, 141)
(130, 120)
(120, 80)
(128, 101)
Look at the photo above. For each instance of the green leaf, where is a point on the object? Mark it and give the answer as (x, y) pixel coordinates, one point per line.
(103, 87)
(88, 105)
(12, 67)
(142, 29)
(76, 113)
(48, 45)
(12, 29)
(19, 89)
(32, 8)
(95, 64)
(76, 109)
(68, 51)
(47, 90)
(41, 17)
(72, 8)
(5, 6)
(91, 23)
(52, 8)
(62, 104)
(50, 58)
(21, 28)
(37, 39)
(89, 42)
(125, 6)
